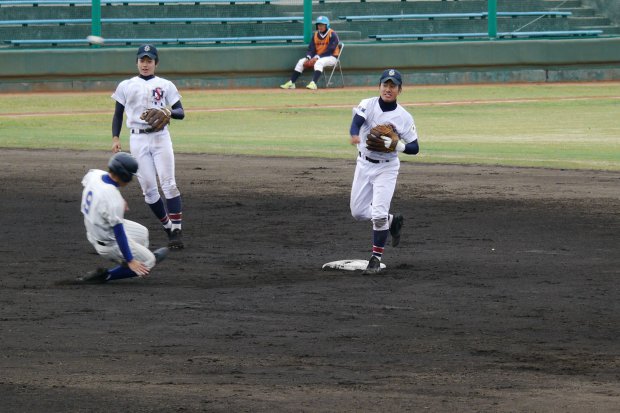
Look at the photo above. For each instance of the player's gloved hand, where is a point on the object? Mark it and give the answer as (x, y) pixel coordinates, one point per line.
(308, 64)
(157, 118)
(308, 57)
(383, 138)
(400, 146)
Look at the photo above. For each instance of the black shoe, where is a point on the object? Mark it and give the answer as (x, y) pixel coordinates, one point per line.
(374, 266)
(397, 225)
(98, 276)
(175, 239)
(160, 254)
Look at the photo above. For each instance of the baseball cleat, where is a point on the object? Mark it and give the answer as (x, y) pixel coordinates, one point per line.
(98, 276)
(397, 225)
(160, 254)
(288, 85)
(312, 86)
(175, 239)
(374, 266)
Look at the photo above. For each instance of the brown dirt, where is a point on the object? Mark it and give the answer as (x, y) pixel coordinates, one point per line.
(502, 297)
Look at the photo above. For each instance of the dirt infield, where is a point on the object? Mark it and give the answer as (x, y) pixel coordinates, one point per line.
(502, 297)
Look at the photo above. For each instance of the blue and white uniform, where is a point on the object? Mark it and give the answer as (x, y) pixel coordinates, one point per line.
(103, 208)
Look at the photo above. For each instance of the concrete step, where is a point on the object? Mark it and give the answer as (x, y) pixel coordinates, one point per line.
(579, 11)
(589, 21)
(349, 35)
(606, 29)
(553, 4)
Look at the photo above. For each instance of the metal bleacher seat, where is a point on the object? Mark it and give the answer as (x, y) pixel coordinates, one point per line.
(133, 41)
(481, 35)
(137, 20)
(36, 3)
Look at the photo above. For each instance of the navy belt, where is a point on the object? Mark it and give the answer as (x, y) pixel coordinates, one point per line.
(139, 131)
(373, 160)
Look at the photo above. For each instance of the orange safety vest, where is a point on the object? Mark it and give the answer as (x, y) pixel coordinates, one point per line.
(321, 43)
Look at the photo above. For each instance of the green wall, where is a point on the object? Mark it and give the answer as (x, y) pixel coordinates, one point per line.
(268, 66)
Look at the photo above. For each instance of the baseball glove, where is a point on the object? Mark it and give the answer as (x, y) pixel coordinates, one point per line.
(309, 64)
(157, 118)
(382, 138)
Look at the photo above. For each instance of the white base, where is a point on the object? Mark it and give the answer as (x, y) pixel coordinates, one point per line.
(348, 265)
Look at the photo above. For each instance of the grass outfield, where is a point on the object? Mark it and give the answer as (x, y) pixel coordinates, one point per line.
(573, 126)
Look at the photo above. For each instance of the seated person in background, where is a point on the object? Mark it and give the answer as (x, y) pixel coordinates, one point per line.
(323, 51)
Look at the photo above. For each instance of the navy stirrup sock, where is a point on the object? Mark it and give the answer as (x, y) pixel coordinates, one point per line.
(316, 76)
(175, 210)
(159, 210)
(379, 238)
(120, 272)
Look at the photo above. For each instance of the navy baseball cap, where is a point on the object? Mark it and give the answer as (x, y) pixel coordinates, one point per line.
(393, 75)
(147, 50)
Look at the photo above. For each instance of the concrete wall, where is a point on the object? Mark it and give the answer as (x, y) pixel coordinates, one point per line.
(266, 67)
(608, 8)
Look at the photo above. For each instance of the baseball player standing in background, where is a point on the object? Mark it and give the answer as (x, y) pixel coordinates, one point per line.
(387, 129)
(150, 102)
(112, 236)
(323, 51)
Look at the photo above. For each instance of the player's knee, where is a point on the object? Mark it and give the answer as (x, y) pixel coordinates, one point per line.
(170, 190)
(358, 215)
(380, 223)
(151, 196)
(149, 260)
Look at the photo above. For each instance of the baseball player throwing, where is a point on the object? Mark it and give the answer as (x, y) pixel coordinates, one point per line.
(150, 101)
(112, 236)
(381, 128)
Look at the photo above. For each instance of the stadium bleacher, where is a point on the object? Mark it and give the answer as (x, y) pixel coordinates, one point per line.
(43, 23)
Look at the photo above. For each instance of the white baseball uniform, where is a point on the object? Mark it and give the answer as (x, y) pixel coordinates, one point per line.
(376, 172)
(103, 208)
(153, 151)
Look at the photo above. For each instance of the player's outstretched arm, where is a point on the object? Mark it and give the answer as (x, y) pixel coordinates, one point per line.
(117, 124)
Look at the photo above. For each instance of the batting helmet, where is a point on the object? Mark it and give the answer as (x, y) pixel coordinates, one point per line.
(322, 20)
(123, 165)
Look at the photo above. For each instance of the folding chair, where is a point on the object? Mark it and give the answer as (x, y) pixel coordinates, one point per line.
(328, 81)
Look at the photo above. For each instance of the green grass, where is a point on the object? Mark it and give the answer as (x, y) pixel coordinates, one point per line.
(553, 125)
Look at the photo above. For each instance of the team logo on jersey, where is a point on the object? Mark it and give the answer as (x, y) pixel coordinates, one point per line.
(158, 94)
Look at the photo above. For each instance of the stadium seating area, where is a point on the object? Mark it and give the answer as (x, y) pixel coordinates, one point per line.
(44, 23)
